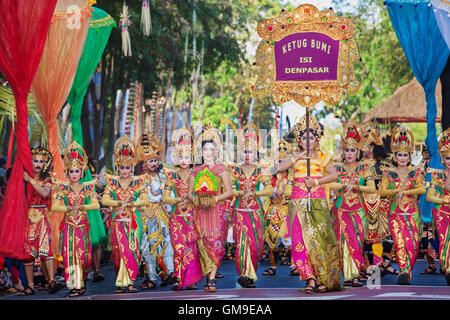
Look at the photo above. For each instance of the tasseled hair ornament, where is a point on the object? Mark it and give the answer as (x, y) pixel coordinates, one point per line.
(124, 24)
(146, 19)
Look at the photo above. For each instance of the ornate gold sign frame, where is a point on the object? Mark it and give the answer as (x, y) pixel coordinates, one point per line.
(306, 19)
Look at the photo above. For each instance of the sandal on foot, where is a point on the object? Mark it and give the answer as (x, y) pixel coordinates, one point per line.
(388, 269)
(270, 272)
(320, 288)
(176, 286)
(172, 278)
(53, 287)
(212, 285)
(429, 270)
(132, 289)
(403, 279)
(243, 281)
(27, 291)
(363, 276)
(294, 272)
(120, 290)
(219, 275)
(310, 288)
(251, 283)
(356, 283)
(148, 284)
(73, 293)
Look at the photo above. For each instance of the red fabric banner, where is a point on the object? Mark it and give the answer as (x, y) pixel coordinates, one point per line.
(23, 30)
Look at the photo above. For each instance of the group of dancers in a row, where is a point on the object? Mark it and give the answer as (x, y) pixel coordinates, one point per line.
(329, 210)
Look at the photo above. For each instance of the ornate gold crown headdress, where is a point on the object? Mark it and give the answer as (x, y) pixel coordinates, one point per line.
(183, 141)
(352, 135)
(75, 157)
(148, 147)
(284, 149)
(249, 137)
(402, 140)
(371, 135)
(300, 127)
(444, 144)
(124, 152)
(210, 133)
(43, 154)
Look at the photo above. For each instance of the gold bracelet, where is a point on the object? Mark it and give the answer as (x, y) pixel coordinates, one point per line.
(317, 182)
(293, 161)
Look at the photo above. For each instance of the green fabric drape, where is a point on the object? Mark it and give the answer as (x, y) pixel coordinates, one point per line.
(100, 27)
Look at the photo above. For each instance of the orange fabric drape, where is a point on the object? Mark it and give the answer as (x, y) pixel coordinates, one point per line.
(54, 78)
(56, 71)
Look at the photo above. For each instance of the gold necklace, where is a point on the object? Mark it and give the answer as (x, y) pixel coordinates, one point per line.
(184, 175)
(248, 172)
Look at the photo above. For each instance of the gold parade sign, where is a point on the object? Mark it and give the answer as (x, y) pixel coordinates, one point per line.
(307, 56)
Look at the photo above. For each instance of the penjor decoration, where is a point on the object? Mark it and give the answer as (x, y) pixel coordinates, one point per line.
(146, 19)
(125, 22)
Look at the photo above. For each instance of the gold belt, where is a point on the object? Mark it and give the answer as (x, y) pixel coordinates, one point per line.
(35, 215)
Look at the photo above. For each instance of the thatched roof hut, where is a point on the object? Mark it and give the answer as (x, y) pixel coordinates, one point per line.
(406, 104)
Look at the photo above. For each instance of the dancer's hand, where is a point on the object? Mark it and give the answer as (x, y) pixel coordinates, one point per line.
(26, 177)
(309, 182)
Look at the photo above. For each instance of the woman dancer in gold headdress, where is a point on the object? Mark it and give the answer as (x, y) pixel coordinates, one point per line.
(183, 232)
(248, 179)
(350, 220)
(439, 193)
(314, 246)
(209, 187)
(403, 185)
(125, 193)
(277, 215)
(75, 198)
(377, 207)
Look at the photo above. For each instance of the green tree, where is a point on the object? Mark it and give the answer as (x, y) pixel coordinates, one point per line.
(384, 66)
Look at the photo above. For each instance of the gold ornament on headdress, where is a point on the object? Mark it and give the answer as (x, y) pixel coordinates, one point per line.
(300, 126)
(124, 152)
(148, 147)
(352, 136)
(183, 142)
(44, 154)
(444, 144)
(371, 135)
(249, 137)
(402, 140)
(210, 133)
(284, 149)
(75, 157)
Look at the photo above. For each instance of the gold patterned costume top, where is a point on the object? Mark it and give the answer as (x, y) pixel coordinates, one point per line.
(68, 196)
(412, 185)
(116, 194)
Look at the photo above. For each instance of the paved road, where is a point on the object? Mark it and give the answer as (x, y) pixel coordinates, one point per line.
(282, 286)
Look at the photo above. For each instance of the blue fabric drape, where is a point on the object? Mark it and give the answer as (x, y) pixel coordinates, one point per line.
(427, 52)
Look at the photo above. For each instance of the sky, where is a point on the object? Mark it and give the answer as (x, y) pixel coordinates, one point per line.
(321, 4)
